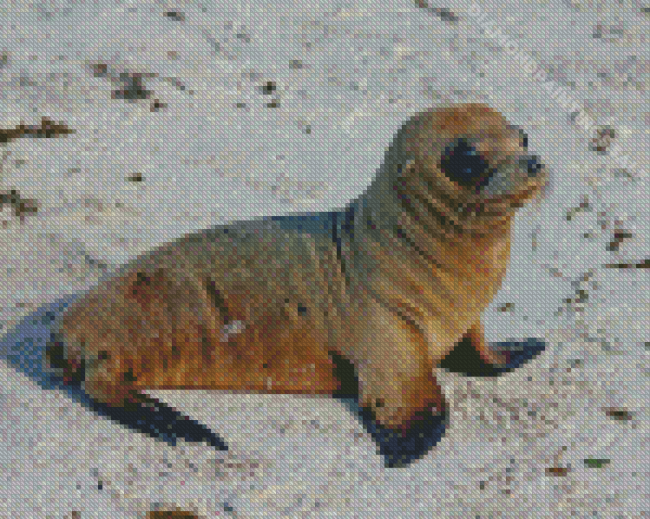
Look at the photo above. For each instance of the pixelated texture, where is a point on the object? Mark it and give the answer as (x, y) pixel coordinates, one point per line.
(125, 127)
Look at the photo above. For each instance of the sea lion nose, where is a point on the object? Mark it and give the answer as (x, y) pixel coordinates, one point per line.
(532, 165)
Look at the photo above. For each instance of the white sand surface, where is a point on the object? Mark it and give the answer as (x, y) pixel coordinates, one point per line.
(261, 108)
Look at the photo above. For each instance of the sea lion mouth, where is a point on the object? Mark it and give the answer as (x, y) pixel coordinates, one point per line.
(514, 199)
(486, 212)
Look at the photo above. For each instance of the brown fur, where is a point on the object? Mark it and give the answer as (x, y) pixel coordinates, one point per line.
(258, 308)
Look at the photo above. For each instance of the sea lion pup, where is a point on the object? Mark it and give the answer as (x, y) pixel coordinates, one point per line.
(390, 284)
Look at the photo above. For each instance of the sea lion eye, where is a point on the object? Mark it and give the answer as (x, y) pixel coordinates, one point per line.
(464, 165)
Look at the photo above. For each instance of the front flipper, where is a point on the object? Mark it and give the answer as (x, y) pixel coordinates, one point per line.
(402, 446)
(407, 433)
(474, 357)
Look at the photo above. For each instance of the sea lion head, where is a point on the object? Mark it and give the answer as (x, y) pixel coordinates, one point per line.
(464, 165)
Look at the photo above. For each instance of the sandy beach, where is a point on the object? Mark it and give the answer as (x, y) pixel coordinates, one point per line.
(173, 117)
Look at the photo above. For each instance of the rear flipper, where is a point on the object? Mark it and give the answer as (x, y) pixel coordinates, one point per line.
(139, 412)
(158, 420)
(474, 357)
